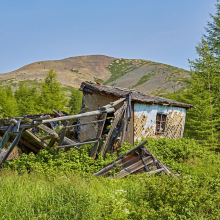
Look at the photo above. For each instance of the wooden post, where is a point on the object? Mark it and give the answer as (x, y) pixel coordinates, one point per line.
(12, 146)
(62, 135)
(70, 117)
(77, 144)
(7, 135)
(98, 136)
(117, 118)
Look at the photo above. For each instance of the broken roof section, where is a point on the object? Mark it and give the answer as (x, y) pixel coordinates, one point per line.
(136, 160)
(136, 96)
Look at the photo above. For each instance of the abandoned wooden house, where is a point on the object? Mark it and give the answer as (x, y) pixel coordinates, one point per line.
(108, 117)
(150, 116)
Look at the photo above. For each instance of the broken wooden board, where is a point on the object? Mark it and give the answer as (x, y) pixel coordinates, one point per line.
(137, 160)
(30, 125)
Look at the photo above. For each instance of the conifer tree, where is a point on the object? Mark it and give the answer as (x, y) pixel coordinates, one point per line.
(8, 103)
(213, 31)
(75, 101)
(202, 122)
(27, 97)
(51, 97)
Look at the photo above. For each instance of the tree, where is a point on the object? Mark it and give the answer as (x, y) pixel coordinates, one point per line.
(51, 97)
(202, 122)
(75, 101)
(27, 97)
(8, 103)
(213, 30)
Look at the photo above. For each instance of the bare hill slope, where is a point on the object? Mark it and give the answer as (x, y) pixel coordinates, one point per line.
(145, 76)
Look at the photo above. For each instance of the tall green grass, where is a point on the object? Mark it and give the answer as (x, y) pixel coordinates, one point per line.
(74, 194)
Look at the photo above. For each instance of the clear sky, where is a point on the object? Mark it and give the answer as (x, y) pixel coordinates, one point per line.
(164, 31)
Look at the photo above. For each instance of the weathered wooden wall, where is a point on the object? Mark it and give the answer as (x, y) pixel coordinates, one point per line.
(142, 123)
(93, 102)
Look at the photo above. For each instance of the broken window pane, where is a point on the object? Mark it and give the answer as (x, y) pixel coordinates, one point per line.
(160, 123)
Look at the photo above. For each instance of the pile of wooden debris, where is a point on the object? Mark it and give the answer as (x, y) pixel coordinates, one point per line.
(24, 133)
(137, 160)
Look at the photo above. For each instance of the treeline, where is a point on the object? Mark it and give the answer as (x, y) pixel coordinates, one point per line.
(203, 122)
(32, 99)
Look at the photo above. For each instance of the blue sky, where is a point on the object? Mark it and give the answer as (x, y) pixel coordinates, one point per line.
(164, 31)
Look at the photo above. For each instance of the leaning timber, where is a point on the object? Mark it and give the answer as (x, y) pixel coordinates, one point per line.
(24, 131)
(137, 160)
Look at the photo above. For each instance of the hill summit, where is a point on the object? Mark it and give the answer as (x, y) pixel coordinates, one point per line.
(143, 75)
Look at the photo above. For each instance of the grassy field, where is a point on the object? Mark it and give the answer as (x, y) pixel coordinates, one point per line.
(55, 190)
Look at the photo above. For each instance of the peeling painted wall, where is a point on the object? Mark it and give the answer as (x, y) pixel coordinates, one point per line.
(145, 121)
(144, 118)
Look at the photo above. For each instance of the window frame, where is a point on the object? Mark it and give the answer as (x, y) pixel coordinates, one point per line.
(161, 122)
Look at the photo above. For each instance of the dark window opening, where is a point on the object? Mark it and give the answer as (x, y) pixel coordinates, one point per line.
(160, 123)
(107, 125)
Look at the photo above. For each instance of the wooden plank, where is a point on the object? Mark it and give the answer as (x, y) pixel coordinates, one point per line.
(35, 138)
(29, 145)
(17, 127)
(57, 113)
(132, 150)
(131, 126)
(6, 136)
(48, 130)
(62, 135)
(77, 144)
(70, 117)
(80, 112)
(123, 164)
(117, 118)
(46, 137)
(145, 165)
(92, 122)
(112, 104)
(52, 142)
(98, 136)
(120, 159)
(124, 129)
(12, 146)
(134, 167)
(42, 118)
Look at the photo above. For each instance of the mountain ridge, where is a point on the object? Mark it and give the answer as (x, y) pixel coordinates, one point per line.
(143, 75)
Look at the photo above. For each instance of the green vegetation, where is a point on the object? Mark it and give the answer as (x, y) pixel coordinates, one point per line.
(51, 96)
(8, 104)
(160, 91)
(31, 97)
(27, 98)
(61, 186)
(75, 71)
(202, 123)
(75, 101)
(144, 79)
(98, 80)
(120, 67)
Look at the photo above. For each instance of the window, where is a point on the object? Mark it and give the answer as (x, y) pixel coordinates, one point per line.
(160, 123)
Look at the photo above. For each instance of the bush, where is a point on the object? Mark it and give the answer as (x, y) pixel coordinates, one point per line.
(61, 186)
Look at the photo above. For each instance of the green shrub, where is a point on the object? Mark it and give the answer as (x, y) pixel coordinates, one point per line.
(60, 185)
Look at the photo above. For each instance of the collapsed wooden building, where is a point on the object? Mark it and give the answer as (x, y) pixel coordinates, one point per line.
(149, 116)
(108, 117)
